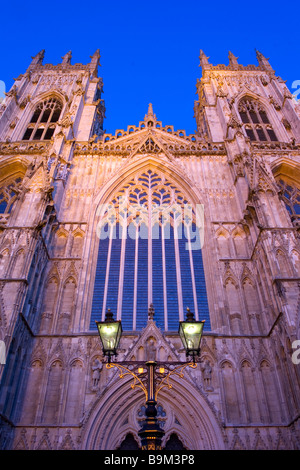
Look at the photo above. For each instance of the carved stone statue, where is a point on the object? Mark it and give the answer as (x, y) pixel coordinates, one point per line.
(97, 367)
(151, 350)
(62, 171)
(206, 372)
(49, 162)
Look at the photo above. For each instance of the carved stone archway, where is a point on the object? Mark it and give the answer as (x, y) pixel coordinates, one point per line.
(190, 417)
(189, 414)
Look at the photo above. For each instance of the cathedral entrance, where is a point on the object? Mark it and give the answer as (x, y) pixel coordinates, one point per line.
(184, 413)
(173, 443)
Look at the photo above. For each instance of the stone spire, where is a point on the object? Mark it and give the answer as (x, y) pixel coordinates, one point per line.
(38, 59)
(150, 116)
(67, 58)
(232, 59)
(263, 62)
(203, 59)
(150, 109)
(96, 58)
(95, 62)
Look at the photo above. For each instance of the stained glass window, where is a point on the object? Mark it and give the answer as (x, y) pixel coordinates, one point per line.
(149, 252)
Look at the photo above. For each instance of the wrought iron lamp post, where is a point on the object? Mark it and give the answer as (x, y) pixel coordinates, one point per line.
(151, 433)
(190, 332)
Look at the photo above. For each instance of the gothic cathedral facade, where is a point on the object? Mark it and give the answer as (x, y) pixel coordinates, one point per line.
(146, 217)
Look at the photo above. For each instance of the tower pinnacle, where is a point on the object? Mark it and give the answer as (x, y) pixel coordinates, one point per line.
(67, 58)
(203, 59)
(38, 59)
(150, 116)
(232, 59)
(262, 60)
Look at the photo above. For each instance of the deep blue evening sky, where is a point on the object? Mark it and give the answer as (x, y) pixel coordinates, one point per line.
(150, 49)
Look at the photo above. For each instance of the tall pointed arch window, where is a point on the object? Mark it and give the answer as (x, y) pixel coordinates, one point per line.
(256, 121)
(149, 252)
(44, 119)
(290, 194)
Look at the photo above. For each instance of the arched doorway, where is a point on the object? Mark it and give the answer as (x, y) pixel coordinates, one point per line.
(174, 443)
(191, 423)
(129, 443)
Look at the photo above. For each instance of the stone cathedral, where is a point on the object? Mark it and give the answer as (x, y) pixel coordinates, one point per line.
(91, 221)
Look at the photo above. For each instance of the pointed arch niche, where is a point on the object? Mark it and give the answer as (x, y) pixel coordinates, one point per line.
(145, 255)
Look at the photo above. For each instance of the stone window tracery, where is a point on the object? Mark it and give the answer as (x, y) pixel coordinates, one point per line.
(290, 194)
(256, 121)
(43, 121)
(149, 252)
(8, 195)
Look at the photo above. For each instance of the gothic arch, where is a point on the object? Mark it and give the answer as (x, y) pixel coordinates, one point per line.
(295, 256)
(245, 360)
(66, 305)
(270, 389)
(29, 110)
(282, 258)
(12, 172)
(4, 261)
(111, 188)
(34, 382)
(12, 167)
(239, 238)
(52, 93)
(77, 239)
(102, 425)
(74, 383)
(130, 434)
(244, 94)
(52, 397)
(222, 232)
(229, 390)
(287, 176)
(50, 293)
(274, 122)
(286, 168)
(18, 263)
(223, 240)
(128, 171)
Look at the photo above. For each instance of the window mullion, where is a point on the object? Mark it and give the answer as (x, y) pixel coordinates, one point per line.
(193, 275)
(164, 276)
(121, 273)
(107, 272)
(136, 255)
(37, 123)
(178, 272)
(248, 114)
(50, 116)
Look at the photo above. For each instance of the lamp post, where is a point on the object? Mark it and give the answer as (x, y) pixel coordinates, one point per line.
(151, 433)
(110, 333)
(190, 332)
